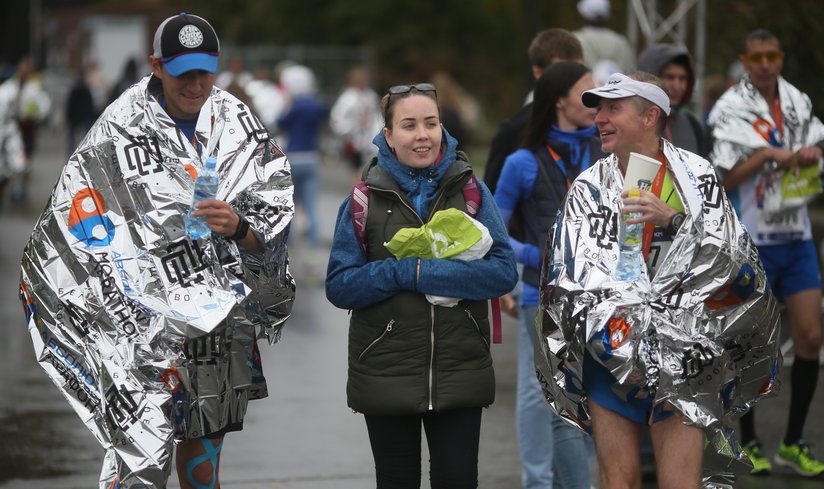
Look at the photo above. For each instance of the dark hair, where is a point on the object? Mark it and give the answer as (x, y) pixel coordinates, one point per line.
(552, 44)
(388, 103)
(554, 83)
(644, 104)
(759, 34)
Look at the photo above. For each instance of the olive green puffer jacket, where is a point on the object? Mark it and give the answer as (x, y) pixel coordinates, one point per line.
(406, 355)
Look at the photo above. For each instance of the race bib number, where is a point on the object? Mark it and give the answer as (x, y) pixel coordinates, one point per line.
(661, 244)
(786, 224)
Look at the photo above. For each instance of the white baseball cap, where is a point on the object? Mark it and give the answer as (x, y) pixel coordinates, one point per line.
(619, 85)
(594, 9)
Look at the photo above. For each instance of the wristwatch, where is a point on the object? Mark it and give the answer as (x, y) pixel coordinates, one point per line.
(242, 229)
(675, 223)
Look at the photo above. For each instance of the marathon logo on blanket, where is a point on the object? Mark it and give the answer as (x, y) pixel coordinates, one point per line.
(73, 317)
(695, 360)
(88, 218)
(711, 190)
(184, 263)
(206, 349)
(251, 125)
(142, 156)
(121, 408)
(602, 226)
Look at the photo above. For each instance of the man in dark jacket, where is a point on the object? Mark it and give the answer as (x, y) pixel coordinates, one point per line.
(673, 66)
(547, 47)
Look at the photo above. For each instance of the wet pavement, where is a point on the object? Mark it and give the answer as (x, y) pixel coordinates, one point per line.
(303, 436)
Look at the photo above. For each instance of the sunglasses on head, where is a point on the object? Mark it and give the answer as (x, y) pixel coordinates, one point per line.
(770, 56)
(421, 87)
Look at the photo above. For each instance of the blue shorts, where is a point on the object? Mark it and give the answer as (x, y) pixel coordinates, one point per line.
(791, 268)
(598, 381)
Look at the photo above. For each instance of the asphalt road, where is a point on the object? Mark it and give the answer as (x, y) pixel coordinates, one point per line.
(303, 436)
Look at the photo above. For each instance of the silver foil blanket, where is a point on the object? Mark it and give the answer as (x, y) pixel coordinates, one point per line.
(151, 336)
(700, 336)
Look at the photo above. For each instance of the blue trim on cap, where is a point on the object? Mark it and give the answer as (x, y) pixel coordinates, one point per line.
(182, 63)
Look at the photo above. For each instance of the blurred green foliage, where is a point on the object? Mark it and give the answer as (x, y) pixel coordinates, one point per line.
(482, 43)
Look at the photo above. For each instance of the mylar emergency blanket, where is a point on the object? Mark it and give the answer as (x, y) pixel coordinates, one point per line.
(743, 123)
(699, 335)
(151, 336)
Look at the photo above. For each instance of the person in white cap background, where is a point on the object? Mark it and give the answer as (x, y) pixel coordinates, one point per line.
(620, 353)
(605, 51)
(155, 346)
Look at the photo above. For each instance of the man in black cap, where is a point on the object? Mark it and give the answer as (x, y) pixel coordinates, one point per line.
(157, 343)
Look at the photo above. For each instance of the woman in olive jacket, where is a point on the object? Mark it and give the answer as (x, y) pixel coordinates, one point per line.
(412, 362)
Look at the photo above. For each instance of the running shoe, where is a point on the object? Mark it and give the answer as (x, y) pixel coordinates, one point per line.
(799, 458)
(760, 464)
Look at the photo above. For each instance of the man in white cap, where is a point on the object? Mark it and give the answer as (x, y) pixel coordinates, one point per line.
(163, 327)
(620, 353)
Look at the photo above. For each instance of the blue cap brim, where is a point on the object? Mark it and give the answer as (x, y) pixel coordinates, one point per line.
(191, 61)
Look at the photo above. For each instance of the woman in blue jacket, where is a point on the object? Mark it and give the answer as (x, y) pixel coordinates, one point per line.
(412, 362)
(560, 143)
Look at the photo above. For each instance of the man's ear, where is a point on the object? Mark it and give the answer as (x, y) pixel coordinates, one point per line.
(157, 65)
(653, 115)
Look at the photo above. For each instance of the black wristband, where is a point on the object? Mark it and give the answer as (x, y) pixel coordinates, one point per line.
(242, 229)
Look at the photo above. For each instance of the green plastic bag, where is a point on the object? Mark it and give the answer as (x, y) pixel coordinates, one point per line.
(449, 233)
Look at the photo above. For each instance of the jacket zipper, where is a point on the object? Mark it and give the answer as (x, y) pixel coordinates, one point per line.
(400, 200)
(477, 327)
(431, 354)
(431, 374)
(376, 340)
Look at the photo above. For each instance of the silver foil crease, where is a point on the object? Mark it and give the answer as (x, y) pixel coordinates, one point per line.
(701, 336)
(151, 336)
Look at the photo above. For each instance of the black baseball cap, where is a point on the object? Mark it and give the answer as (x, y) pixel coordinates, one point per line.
(186, 42)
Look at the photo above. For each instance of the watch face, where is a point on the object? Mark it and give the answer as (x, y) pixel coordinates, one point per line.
(677, 221)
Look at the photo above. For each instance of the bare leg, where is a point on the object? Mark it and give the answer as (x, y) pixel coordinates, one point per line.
(679, 453)
(618, 447)
(198, 463)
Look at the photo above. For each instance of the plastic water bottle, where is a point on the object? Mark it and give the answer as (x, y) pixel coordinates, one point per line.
(206, 185)
(631, 236)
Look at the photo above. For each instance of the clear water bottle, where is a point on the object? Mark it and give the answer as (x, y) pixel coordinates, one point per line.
(631, 236)
(206, 185)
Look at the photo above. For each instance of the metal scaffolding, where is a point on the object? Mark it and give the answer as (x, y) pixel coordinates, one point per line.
(644, 15)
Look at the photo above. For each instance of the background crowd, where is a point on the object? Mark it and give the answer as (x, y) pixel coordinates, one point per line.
(317, 124)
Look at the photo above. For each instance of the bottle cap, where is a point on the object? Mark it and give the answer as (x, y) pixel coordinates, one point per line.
(211, 162)
(634, 192)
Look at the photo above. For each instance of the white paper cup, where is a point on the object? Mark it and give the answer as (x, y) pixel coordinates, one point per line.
(641, 171)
